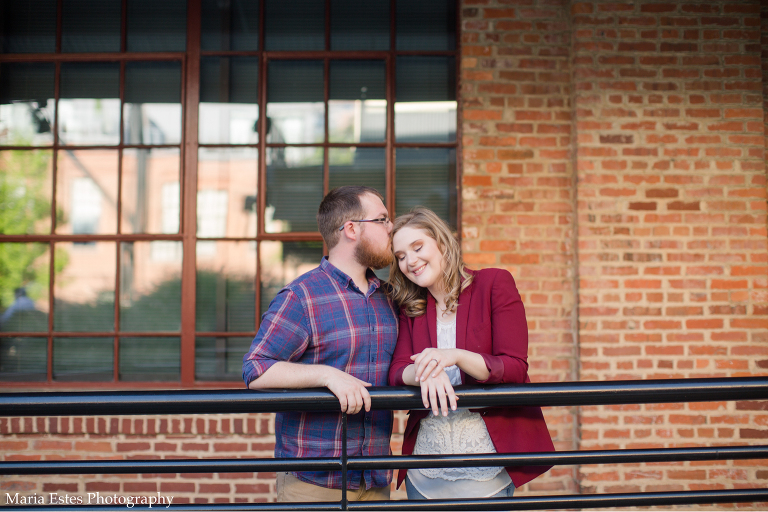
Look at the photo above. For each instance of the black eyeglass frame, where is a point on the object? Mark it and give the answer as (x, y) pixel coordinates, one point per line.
(380, 220)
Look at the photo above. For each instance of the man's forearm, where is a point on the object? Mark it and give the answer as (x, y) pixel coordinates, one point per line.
(283, 374)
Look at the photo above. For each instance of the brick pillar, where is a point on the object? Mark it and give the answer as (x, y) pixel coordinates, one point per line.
(672, 226)
(517, 179)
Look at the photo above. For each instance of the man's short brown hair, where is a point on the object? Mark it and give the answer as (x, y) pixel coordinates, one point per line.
(340, 205)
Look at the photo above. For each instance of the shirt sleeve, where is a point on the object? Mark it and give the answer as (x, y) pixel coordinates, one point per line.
(283, 336)
(403, 351)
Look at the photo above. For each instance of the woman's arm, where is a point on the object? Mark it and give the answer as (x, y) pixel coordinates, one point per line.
(508, 361)
(432, 361)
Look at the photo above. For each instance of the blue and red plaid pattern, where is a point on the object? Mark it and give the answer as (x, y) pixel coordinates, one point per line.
(323, 318)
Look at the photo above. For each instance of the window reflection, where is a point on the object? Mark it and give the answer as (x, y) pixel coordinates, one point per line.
(152, 110)
(219, 359)
(23, 359)
(295, 108)
(90, 26)
(89, 104)
(24, 287)
(229, 25)
(360, 25)
(282, 262)
(26, 104)
(157, 26)
(226, 281)
(229, 110)
(425, 110)
(357, 108)
(150, 191)
(226, 192)
(87, 192)
(294, 189)
(426, 25)
(426, 177)
(25, 192)
(357, 166)
(28, 26)
(84, 290)
(150, 359)
(294, 25)
(83, 359)
(150, 286)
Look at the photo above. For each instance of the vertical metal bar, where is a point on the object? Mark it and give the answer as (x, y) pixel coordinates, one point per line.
(190, 101)
(343, 461)
(459, 116)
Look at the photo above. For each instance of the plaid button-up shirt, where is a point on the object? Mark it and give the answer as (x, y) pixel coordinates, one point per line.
(323, 318)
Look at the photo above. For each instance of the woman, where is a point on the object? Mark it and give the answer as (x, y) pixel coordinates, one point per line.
(459, 326)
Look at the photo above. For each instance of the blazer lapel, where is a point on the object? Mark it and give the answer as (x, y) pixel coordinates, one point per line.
(462, 318)
(432, 320)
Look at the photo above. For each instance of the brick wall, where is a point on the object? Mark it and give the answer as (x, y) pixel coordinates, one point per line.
(614, 162)
(518, 181)
(671, 226)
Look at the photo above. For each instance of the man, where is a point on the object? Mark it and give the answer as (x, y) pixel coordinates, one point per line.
(333, 327)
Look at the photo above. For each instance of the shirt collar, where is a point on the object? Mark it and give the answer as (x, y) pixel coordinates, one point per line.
(346, 281)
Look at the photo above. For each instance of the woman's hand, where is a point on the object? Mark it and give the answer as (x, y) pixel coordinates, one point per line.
(431, 361)
(437, 392)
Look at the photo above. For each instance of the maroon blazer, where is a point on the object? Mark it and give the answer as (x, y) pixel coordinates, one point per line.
(490, 320)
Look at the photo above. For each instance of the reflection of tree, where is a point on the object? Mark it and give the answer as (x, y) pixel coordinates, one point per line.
(26, 208)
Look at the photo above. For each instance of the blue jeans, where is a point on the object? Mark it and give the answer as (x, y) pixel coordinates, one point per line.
(413, 494)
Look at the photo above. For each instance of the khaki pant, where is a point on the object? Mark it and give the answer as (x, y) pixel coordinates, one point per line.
(290, 488)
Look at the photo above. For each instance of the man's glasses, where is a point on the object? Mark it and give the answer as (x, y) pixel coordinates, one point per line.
(380, 220)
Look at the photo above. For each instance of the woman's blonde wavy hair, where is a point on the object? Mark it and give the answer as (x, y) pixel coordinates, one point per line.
(412, 298)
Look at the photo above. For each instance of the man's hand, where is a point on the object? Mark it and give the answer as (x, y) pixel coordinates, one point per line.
(349, 390)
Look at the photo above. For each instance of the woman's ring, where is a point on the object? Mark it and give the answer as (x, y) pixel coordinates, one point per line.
(435, 360)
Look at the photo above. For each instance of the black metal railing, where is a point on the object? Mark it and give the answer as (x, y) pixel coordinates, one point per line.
(547, 394)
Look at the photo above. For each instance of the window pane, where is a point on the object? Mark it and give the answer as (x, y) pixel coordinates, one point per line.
(24, 359)
(86, 192)
(425, 110)
(295, 108)
(89, 108)
(226, 192)
(150, 359)
(219, 358)
(357, 166)
(426, 25)
(28, 26)
(359, 25)
(24, 271)
(229, 110)
(84, 291)
(230, 25)
(26, 104)
(152, 110)
(91, 26)
(150, 286)
(157, 26)
(151, 192)
(357, 106)
(295, 25)
(83, 359)
(294, 189)
(226, 286)
(25, 192)
(282, 262)
(426, 177)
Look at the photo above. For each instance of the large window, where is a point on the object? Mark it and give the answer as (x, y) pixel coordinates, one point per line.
(161, 164)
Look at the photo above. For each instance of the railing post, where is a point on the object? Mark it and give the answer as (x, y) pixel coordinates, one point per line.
(343, 461)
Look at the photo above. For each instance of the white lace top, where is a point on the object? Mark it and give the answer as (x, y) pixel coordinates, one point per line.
(461, 431)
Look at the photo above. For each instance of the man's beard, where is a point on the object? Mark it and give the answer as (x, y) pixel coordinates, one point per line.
(367, 256)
